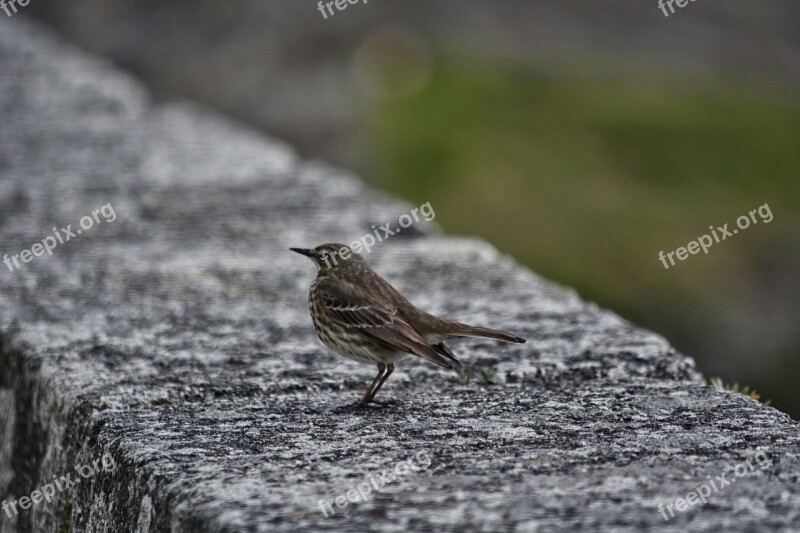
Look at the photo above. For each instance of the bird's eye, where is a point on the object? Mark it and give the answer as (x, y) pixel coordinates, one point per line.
(324, 256)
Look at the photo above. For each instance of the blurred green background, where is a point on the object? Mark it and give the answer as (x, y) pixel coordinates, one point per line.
(586, 178)
(580, 137)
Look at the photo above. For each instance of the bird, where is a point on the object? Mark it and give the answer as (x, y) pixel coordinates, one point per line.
(358, 314)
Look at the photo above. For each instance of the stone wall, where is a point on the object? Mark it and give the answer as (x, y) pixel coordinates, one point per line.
(172, 340)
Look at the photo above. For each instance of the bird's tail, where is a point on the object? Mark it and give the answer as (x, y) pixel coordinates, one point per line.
(465, 330)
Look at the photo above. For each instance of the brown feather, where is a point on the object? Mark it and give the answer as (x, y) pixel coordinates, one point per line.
(377, 321)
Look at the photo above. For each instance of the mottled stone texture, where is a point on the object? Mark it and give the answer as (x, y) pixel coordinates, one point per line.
(176, 339)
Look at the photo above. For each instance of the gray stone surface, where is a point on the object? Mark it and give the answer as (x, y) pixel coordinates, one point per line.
(176, 340)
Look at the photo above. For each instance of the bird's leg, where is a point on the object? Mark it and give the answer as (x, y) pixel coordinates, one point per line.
(389, 370)
(375, 384)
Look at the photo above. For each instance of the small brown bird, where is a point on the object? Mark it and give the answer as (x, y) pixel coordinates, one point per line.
(357, 314)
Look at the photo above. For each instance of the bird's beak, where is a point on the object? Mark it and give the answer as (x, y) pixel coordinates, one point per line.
(303, 251)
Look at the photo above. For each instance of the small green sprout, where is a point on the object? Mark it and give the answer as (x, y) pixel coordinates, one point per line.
(487, 374)
(718, 384)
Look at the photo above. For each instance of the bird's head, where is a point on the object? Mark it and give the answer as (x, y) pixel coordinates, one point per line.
(332, 257)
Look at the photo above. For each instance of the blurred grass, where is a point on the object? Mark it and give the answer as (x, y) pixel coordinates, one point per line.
(586, 179)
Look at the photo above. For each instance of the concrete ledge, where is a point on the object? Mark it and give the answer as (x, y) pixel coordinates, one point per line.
(175, 342)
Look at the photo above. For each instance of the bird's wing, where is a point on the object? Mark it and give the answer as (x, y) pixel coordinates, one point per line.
(350, 307)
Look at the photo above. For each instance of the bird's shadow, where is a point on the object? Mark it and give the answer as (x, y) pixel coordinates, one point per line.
(360, 409)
